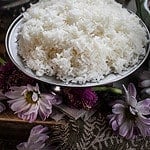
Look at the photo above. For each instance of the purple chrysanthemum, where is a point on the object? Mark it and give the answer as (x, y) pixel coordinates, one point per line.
(80, 97)
(36, 140)
(28, 102)
(131, 118)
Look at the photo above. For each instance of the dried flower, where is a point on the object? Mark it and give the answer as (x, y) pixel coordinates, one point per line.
(131, 118)
(36, 140)
(28, 102)
(12, 76)
(80, 97)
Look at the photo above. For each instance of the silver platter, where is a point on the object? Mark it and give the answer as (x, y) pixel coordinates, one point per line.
(11, 47)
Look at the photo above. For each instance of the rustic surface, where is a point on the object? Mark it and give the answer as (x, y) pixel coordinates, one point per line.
(14, 130)
(67, 134)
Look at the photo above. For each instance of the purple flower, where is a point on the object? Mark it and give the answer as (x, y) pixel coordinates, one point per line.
(2, 106)
(131, 118)
(36, 140)
(28, 102)
(80, 97)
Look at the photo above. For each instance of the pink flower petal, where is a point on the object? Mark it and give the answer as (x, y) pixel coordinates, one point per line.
(18, 88)
(144, 120)
(29, 87)
(145, 130)
(126, 94)
(120, 119)
(130, 94)
(17, 104)
(124, 129)
(144, 107)
(13, 94)
(36, 88)
(44, 103)
(114, 125)
(47, 98)
(34, 146)
(36, 140)
(22, 146)
(54, 100)
(133, 101)
(118, 109)
(38, 129)
(33, 116)
(2, 107)
(44, 112)
(112, 118)
(130, 134)
(132, 90)
(33, 108)
(20, 108)
(30, 117)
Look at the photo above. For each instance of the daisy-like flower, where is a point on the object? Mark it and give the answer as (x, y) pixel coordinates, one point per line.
(28, 102)
(80, 97)
(131, 118)
(36, 140)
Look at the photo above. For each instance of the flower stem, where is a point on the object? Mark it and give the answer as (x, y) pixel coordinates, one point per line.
(110, 89)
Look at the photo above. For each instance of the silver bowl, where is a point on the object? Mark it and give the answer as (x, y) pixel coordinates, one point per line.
(12, 46)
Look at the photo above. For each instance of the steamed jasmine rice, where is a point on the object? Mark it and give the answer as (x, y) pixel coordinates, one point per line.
(80, 41)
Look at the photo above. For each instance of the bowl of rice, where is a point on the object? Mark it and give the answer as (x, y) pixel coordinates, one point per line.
(77, 43)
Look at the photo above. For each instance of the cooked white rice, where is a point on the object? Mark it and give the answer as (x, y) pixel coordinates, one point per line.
(80, 41)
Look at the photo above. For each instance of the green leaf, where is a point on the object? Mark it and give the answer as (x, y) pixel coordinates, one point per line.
(2, 61)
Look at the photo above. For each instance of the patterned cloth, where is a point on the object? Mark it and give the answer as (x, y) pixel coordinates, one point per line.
(95, 134)
(92, 134)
